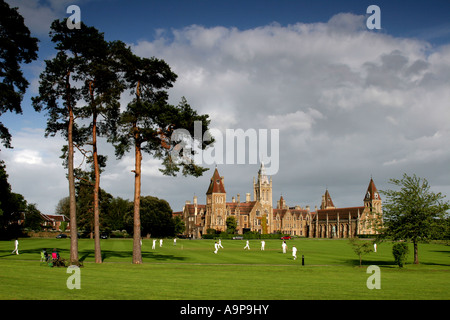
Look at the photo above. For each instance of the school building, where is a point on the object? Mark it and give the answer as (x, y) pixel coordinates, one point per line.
(259, 215)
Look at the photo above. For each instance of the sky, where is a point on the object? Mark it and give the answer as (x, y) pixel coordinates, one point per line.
(349, 103)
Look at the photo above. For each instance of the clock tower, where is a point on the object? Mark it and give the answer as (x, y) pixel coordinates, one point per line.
(262, 190)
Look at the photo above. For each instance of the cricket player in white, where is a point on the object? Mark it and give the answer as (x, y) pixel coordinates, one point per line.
(16, 249)
(247, 246)
(263, 245)
(294, 252)
(154, 244)
(284, 246)
(220, 243)
(216, 247)
(160, 242)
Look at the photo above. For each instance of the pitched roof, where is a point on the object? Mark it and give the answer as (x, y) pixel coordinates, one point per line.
(327, 202)
(372, 192)
(191, 207)
(54, 217)
(216, 184)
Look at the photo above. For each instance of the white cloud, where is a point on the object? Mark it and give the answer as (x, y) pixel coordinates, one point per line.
(352, 103)
(39, 15)
(299, 120)
(349, 98)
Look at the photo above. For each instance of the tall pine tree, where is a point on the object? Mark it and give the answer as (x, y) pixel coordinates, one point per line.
(147, 124)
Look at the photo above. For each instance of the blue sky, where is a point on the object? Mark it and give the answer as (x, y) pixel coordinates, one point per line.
(350, 103)
(399, 18)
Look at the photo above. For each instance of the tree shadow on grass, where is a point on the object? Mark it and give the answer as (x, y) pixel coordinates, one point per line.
(110, 255)
(368, 262)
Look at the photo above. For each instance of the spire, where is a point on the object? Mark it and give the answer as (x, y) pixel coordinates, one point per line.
(327, 203)
(262, 176)
(216, 184)
(372, 192)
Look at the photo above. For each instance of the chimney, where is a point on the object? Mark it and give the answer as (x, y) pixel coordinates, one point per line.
(238, 198)
(233, 199)
(247, 197)
(195, 199)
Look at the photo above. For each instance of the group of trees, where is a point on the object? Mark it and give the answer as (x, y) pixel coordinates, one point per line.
(14, 208)
(16, 47)
(116, 214)
(80, 90)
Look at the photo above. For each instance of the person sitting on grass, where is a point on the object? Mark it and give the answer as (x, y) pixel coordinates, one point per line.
(55, 254)
(57, 260)
(44, 255)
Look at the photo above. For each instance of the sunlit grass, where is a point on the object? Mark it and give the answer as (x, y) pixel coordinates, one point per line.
(190, 270)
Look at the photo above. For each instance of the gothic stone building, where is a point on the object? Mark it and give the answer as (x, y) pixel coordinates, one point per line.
(259, 215)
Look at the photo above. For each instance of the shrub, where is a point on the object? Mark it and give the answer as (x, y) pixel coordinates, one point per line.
(400, 251)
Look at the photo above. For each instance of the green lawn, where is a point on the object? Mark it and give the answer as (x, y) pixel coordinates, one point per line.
(190, 270)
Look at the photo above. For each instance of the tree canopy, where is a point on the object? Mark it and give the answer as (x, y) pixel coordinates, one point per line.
(17, 46)
(412, 211)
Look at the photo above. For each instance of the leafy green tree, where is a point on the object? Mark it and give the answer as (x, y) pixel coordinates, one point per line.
(156, 217)
(63, 207)
(17, 46)
(231, 224)
(11, 206)
(361, 247)
(179, 225)
(400, 251)
(147, 124)
(85, 186)
(33, 217)
(412, 212)
(115, 216)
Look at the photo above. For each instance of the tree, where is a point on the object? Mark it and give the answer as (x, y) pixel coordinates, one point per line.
(33, 217)
(86, 217)
(179, 225)
(115, 215)
(147, 124)
(231, 224)
(102, 89)
(361, 247)
(57, 86)
(17, 46)
(11, 204)
(412, 212)
(156, 217)
(63, 207)
(400, 251)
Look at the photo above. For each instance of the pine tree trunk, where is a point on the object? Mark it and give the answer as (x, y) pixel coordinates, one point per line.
(71, 177)
(98, 251)
(137, 255)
